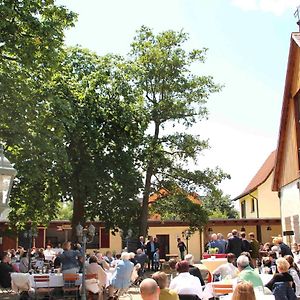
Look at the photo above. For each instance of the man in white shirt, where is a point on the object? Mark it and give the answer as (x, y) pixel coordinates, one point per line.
(185, 283)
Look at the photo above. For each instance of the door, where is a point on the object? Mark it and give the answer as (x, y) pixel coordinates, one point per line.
(164, 246)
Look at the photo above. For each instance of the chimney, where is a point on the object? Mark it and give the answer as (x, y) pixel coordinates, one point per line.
(297, 16)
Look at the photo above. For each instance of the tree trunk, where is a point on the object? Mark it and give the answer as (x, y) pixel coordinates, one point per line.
(144, 212)
(147, 187)
(78, 214)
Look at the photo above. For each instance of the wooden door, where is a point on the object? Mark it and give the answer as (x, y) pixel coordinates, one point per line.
(164, 246)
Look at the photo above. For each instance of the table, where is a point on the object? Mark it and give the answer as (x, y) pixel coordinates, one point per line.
(212, 264)
(55, 280)
(170, 255)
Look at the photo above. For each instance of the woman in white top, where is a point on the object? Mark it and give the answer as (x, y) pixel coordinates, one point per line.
(294, 272)
(227, 270)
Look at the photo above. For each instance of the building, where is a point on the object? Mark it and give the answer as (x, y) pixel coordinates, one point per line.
(287, 163)
(258, 201)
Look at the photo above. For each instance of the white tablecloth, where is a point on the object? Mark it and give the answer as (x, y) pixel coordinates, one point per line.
(212, 264)
(208, 290)
(56, 280)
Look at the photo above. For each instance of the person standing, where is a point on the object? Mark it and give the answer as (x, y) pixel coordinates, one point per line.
(245, 243)
(151, 247)
(254, 248)
(70, 259)
(222, 243)
(234, 244)
(182, 247)
(141, 243)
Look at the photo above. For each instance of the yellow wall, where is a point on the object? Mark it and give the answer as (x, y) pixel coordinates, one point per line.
(194, 242)
(248, 199)
(175, 232)
(268, 201)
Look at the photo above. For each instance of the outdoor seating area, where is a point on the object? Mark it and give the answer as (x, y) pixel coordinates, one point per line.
(145, 153)
(109, 276)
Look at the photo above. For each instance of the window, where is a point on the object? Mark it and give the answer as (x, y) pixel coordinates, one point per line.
(104, 238)
(252, 205)
(243, 209)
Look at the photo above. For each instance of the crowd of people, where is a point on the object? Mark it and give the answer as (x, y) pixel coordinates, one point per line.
(246, 258)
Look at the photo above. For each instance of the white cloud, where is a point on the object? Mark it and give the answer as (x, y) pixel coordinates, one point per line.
(276, 7)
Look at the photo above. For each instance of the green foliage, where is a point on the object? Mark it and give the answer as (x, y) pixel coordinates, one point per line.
(177, 206)
(78, 126)
(80, 143)
(31, 32)
(174, 97)
(219, 205)
(65, 211)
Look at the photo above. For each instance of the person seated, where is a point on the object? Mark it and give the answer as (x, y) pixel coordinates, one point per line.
(95, 286)
(122, 275)
(243, 291)
(269, 263)
(247, 273)
(294, 272)
(193, 270)
(282, 276)
(141, 258)
(49, 253)
(24, 263)
(132, 258)
(165, 293)
(101, 261)
(149, 289)
(250, 259)
(5, 270)
(109, 257)
(227, 270)
(117, 260)
(185, 283)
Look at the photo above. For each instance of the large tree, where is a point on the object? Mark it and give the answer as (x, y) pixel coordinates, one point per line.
(31, 36)
(175, 97)
(81, 143)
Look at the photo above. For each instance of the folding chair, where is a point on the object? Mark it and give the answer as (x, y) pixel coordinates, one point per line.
(188, 297)
(220, 289)
(41, 286)
(71, 287)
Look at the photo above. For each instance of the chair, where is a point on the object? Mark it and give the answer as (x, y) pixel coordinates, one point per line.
(188, 297)
(283, 291)
(41, 286)
(220, 289)
(71, 288)
(92, 286)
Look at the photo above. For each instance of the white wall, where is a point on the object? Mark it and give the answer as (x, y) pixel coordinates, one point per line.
(290, 210)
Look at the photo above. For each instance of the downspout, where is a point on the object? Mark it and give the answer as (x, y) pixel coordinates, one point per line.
(257, 210)
(258, 227)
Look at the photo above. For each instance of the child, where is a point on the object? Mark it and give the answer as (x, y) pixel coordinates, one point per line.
(156, 260)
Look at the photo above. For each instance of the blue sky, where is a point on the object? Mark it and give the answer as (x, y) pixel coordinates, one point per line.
(248, 43)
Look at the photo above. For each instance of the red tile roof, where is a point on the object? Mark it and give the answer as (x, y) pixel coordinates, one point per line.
(261, 176)
(163, 192)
